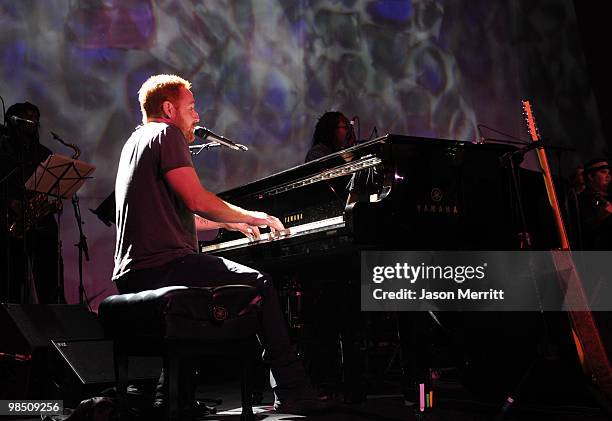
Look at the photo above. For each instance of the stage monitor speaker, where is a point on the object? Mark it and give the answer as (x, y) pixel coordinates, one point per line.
(58, 351)
(30, 327)
(82, 369)
(92, 362)
(25, 340)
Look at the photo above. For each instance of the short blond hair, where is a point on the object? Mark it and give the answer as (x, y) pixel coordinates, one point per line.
(157, 89)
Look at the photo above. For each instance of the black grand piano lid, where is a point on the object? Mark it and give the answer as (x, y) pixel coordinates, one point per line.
(374, 147)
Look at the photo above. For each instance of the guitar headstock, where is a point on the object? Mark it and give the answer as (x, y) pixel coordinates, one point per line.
(532, 128)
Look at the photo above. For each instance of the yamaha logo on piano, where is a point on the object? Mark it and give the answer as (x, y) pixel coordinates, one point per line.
(436, 196)
(436, 208)
(293, 218)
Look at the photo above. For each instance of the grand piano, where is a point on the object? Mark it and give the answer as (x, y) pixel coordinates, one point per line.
(408, 193)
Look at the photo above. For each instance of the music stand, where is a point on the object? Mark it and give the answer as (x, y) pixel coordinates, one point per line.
(61, 177)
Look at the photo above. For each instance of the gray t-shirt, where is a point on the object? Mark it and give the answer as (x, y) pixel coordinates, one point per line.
(154, 226)
(318, 151)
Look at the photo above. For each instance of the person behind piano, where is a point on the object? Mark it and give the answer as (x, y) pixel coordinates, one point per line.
(157, 192)
(333, 133)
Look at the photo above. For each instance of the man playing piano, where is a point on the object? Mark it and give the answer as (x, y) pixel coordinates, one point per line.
(157, 192)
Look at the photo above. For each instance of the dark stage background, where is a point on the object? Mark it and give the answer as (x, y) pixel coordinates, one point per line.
(264, 70)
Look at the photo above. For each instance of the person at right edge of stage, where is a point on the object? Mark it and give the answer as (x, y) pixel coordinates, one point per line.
(595, 206)
(161, 203)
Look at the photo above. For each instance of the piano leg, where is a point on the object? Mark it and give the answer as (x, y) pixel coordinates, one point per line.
(327, 325)
(323, 313)
(354, 361)
(414, 330)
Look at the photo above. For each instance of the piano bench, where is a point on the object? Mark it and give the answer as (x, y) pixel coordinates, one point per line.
(178, 322)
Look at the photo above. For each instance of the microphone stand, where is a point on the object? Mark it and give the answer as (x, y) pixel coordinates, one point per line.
(5, 294)
(549, 146)
(196, 149)
(27, 296)
(508, 159)
(82, 246)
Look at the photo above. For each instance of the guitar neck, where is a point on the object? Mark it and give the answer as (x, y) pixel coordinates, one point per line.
(548, 181)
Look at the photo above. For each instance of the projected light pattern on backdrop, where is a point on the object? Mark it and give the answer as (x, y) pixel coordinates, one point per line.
(263, 71)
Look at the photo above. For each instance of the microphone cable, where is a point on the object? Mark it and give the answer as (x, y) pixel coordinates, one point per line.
(3, 111)
(355, 120)
(373, 134)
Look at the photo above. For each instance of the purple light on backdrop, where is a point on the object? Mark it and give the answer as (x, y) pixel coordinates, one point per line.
(130, 24)
(398, 11)
(418, 68)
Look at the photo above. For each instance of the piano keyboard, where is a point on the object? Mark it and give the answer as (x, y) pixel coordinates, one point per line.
(295, 231)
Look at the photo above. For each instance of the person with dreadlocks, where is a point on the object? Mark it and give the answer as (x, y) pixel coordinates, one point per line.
(333, 133)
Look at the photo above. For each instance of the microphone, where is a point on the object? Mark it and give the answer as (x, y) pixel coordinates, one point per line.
(204, 133)
(24, 120)
(356, 122)
(480, 140)
(520, 152)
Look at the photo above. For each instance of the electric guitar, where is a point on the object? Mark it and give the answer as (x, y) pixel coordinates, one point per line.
(589, 346)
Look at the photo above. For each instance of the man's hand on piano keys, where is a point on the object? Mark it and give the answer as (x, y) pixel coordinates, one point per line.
(249, 231)
(262, 220)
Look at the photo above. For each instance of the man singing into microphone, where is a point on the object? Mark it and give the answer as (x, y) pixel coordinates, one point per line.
(157, 192)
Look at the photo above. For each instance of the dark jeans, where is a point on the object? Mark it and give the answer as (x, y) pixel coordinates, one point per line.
(201, 270)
